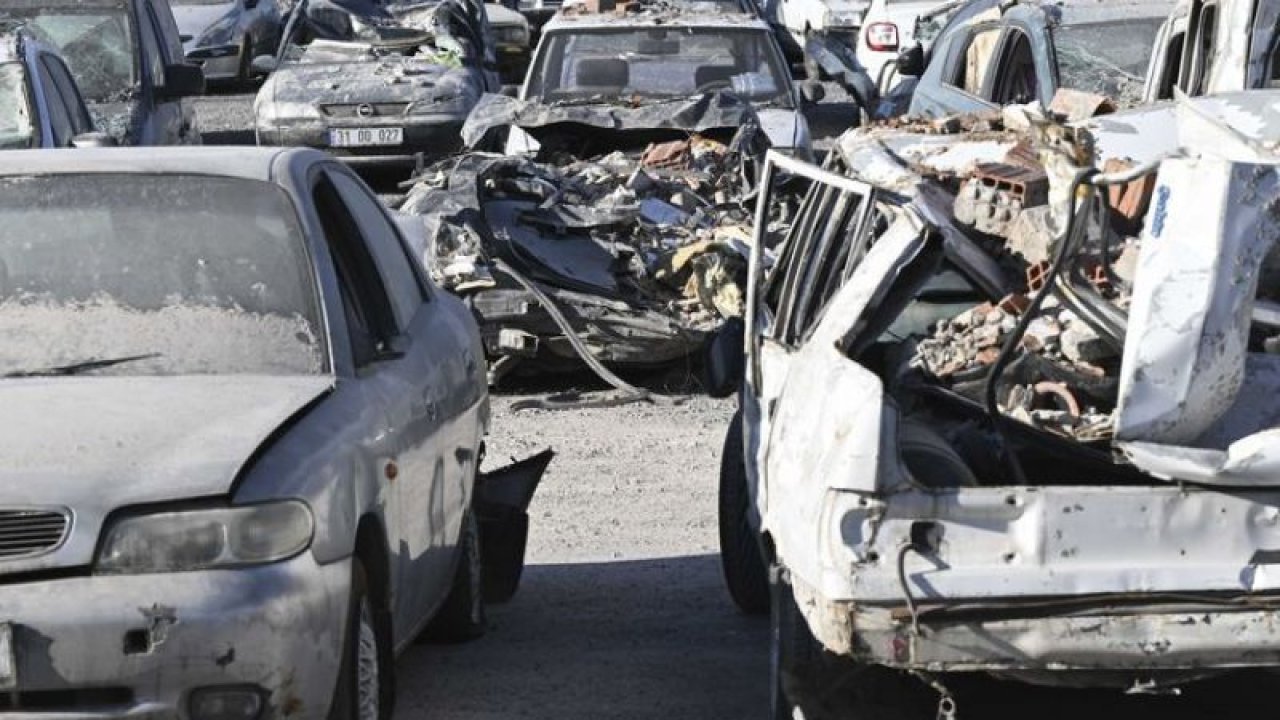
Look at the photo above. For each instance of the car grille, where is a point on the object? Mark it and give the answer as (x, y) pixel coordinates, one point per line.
(24, 533)
(351, 110)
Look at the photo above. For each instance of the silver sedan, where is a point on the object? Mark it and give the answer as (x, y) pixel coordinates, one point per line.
(240, 440)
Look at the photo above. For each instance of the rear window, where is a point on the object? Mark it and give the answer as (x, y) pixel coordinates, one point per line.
(16, 127)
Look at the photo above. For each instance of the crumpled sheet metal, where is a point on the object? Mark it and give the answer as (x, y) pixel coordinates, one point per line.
(1186, 362)
(709, 111)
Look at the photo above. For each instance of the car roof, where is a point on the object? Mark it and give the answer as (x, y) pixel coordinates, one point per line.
(667, 16)
(248, 163)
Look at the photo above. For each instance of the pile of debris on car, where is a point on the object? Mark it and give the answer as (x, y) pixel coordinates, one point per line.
(626, 258)
(1132, 263)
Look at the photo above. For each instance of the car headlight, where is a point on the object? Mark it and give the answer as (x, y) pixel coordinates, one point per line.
(204, 539)
(269, 113)
(439, 104)
(222, 32)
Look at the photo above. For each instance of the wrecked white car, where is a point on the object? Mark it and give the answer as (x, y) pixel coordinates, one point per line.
(1009, 404)
(376, 84)
(240, 441)
(1214, 46)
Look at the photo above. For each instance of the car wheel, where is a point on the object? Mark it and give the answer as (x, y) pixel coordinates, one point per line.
(462, 616)
(365, 687)
(745, 573)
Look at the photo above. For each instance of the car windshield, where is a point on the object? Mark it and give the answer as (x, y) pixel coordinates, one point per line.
(205, 275)
(1108, 58)
(659, 62)
(16, 130)
(95, 40)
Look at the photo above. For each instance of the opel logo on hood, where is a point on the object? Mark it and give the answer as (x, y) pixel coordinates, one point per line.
(365, 110)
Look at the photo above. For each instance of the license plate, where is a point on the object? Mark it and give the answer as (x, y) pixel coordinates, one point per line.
(8, 669)
(365, 137)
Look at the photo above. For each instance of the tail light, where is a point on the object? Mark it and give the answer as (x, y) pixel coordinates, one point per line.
(882, 36)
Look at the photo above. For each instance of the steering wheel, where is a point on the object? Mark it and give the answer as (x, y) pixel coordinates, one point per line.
(707, 87)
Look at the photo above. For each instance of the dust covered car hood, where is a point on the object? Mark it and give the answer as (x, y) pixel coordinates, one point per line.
(340, 73)
(111, 442)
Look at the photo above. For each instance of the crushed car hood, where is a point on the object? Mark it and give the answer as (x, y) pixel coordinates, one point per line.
(99, 443)
(382, 80)
(696, 114)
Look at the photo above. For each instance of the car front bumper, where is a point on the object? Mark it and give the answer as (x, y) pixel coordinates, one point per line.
(434, 136)
(138, 645)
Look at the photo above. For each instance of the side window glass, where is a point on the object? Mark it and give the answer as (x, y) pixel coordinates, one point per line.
(385, 246)
(1016, 81)
(976, 61)
(70, 94)
(152, 52)
(1172, 69)
(59, 117)
(370, 319)
(1205, 55)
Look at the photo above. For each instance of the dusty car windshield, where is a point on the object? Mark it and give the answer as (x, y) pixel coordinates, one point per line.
(1106, 58)
(659, 62)
(16, 130)
(96, 42)
(209, 275)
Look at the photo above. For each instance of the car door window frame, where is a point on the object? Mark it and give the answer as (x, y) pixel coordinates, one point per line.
(64, 86)
(1000, 75)
(958, 74)
(408, 298)
(61, 124)
(362, 292)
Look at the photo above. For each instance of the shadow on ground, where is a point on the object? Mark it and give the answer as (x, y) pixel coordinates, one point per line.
(622, 640)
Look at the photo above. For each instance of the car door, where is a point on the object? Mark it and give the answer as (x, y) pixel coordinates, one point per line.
(165, 121)
(424, 383)
(820, 252)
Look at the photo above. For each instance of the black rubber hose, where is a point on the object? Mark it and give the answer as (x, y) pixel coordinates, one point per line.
(1015, 338)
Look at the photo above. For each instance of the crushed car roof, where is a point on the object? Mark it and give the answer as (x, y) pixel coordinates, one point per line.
(249, 163)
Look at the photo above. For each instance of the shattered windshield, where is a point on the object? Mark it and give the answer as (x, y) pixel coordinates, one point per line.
(16, 130)
(659, 62)
(204, 275)
(359, 31)
(1106, 58)
(96, 41)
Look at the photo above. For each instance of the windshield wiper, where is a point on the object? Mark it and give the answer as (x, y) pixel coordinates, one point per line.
(80, 367)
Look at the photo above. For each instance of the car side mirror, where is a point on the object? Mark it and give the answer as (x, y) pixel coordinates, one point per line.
(812, 91)
(910, 61)
(181, 81)
(264, 64)
(93, 140)
(724, 359)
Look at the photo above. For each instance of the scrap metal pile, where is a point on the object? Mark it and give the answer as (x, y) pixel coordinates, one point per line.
(629, 258)
(1135, 280)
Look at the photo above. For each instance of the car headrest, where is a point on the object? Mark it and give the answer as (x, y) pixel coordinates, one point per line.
(602, 72)
(713, 73)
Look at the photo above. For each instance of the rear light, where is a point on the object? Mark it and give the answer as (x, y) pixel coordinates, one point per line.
(882, 36)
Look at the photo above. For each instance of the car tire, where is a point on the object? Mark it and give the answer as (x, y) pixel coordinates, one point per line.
(745, 573)
(366, 688)
(462, 616)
